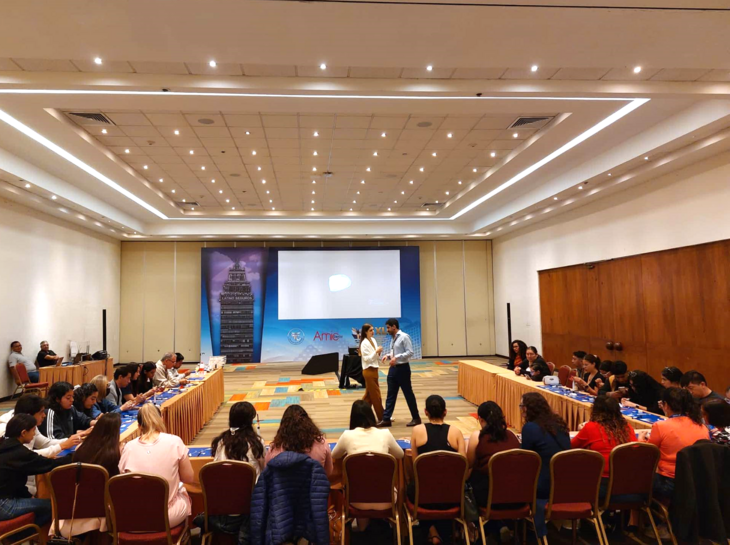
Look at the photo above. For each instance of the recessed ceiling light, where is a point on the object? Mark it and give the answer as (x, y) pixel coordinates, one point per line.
(103, 131)
(253, 152)
(459, 182)
(474, 169)
(368, 169)
(177, 132)
(555, 198)
(375, 154)
(228, 200)
(350, 209)
(162, 180)
(270, 200)
(493, 154)
(388, 209)
(233, 207)
(421, 169)
(202, 168)
(323, 66)
(402, 192)
(411, 182)
(358, 192)
(315, 153)
(314, 169)
(212, 64)
(173, 191)
(53, 197)
(212, 181)
(126, 151)
(27, 186)
(183, 200)
(98, 60)
(429, 68)
(258, 168)
(433, 154)
(192, 208)
(383, 135)
(273, 208)
(580, 187)
(447, 192)
(313, 192)
(263, 181)
(312, 208)
(362, 181)
(312, 201)
(316, 133)
(610, 174)
(248, 133)
(428, 209)
(515, 135)
(192, 152)
(220, 191)
(437, 202)
(637, 69)
(533, 68)
(450, 135)
(646, 158)
(145, 167)
(499, 228)
(354, 202)
(314, 182)
(267, 191)
(395, 202)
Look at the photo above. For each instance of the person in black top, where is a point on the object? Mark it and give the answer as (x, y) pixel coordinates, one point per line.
(17, 463)
(63, 419)
(533, 357)
(645, 392)
(671, 377)
(144, 382)
(696, 384)
(47, 357)
(591, 376)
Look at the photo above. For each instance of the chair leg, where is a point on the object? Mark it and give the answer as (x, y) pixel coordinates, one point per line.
(603, 529)
(599, 530)
(397, 529)
(665, 515)
(466, 530)
(343, 525)
(653, 525)
(410, 527)
(482, 522)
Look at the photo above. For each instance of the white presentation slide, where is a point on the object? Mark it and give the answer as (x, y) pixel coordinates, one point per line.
(316, 285)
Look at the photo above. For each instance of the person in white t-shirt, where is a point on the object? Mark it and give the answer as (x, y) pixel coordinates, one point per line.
(370, 353)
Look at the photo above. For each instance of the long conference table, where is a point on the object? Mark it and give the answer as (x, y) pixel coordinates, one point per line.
(480, 381)
(77, 373)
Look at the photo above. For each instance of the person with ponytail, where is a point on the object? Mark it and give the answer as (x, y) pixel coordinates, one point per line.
(159, 453)
(682, 428)
(298, 433)
(370, 353)
(17, 463)
(591, 381)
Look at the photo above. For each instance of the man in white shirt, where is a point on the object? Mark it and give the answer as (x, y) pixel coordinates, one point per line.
(162, 375)
(16, 357)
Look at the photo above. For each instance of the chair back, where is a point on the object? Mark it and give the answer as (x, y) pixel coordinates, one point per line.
(575, 476)
(22, 374)
(631, 469)
(370, 477)
(551, 366)
(227, 487)
(440, 478)
(138, 503)
(90, 498)
(513, 477)
(563, 374)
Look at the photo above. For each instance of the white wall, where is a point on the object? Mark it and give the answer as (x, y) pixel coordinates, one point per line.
(55, 278)
(690, 206)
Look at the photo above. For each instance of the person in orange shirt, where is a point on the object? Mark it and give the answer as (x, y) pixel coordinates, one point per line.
(682, 428)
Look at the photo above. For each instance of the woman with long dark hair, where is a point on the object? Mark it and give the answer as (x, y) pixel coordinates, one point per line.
(144, 382)
(546, 433)
(682, 428)
(591, 380)
(517, 354)
(671, 377)
(645, 392)
(85, 398)
(492, 437)
(17, 463)
(63, 419)
(298, 433)
(532, 359)
(370, 353)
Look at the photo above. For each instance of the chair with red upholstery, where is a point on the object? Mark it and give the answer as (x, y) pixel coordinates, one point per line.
(631, 469)
(551, 366)
(19, 530)
(512, 480)
(439, 477)
(564, 374)
(575, 477)
(131, 494)
(227, 489)
(24, 385)
(370, 478)
(91, 496)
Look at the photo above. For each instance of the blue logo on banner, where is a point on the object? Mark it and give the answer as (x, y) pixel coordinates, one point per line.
(295, 336)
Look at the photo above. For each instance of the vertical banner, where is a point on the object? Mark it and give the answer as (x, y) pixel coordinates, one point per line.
(232, 303)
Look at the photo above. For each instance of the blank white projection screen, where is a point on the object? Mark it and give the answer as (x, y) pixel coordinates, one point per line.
(316, 285)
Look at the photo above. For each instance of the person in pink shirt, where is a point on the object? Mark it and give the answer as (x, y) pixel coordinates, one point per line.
(297, 433)
(682, 428)
(159, 453)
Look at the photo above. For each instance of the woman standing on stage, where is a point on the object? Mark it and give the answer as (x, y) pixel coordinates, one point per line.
(370, 352)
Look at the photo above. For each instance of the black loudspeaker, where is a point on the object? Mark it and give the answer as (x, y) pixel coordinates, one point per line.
(322, 363)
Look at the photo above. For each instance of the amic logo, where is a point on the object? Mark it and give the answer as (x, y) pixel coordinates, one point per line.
(327, 336)
(295, 336)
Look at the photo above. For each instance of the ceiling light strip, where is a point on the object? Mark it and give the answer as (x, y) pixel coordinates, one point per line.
(10, 120)
(630, 107)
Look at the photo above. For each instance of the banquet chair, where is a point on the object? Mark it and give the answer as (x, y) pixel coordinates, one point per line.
(20, 530)
(370, 477)
(91, 496)
(551, 366)
(564, 374)
(575, 477)
(130, 494)
(512, 480)
(440, 477)
(227, 489)
(630, 483)
(24, 385)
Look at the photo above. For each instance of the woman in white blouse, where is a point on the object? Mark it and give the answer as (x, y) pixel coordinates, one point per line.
(370, 352)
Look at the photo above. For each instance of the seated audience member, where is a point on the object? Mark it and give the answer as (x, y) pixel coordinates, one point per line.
(682, 428)
(162, 377)
(102, 448)
(546, 433)
(160, 453)
(17, 463)
(696, 384)
(121, 381)
(716, 413)
(36, 407)
(16, 357)
(85, 398)
(576, 362)
(128, 392)
(589, 382)
(517, 355)
(606, 429)
(177, 368)
(606, 378)
(539, 370)
(239, 442)
(493, 437)
(145, 386)
(532, 357)
(430, 437)
(298, 433)
(644, 391)
(363, 436)
(618, 385)
(63, 419)
(103, 405)
(47, 357)
(671, 377)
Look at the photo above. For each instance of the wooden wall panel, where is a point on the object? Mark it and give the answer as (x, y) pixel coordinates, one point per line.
(131, 318)
(477, 303)
(450, 293)
(159, 299)
(429, 327)
(187, 299)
